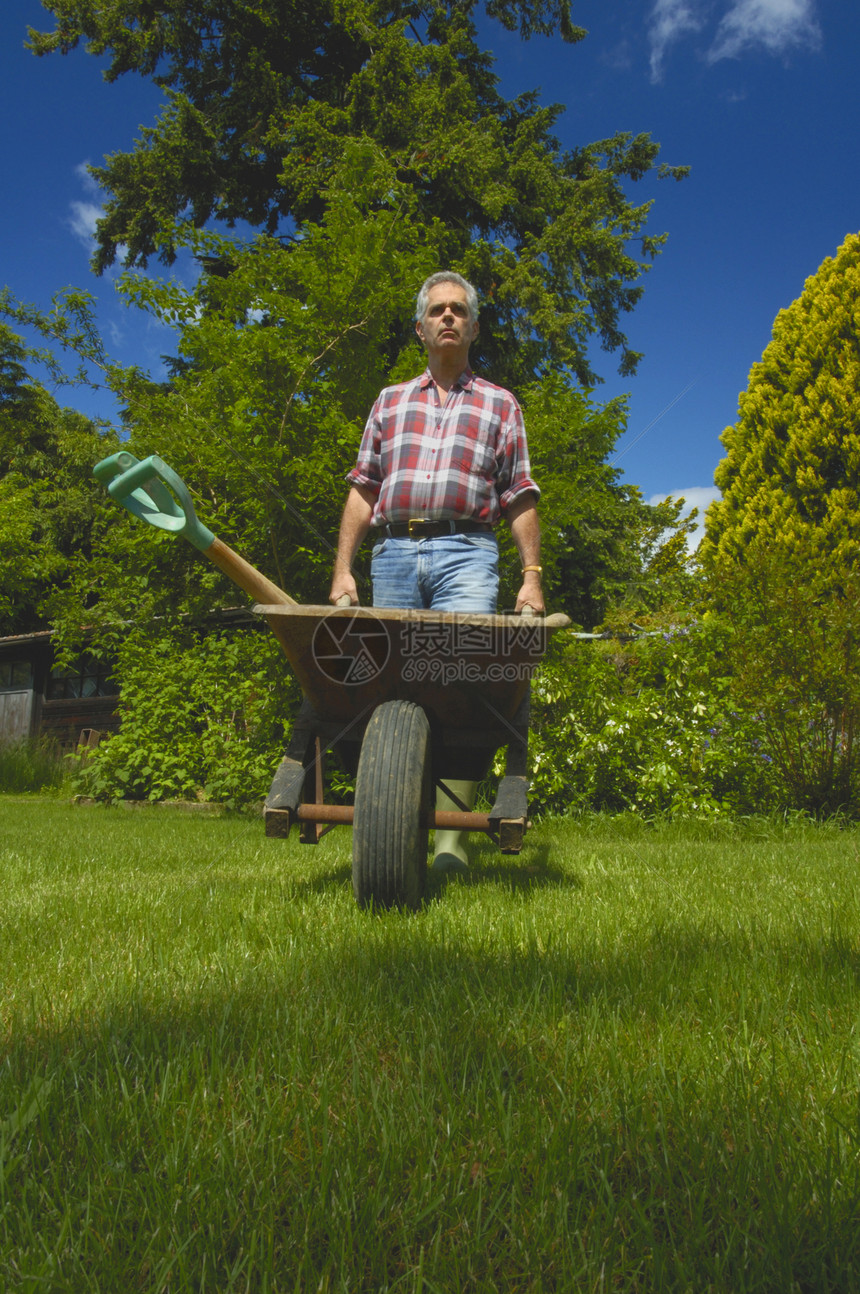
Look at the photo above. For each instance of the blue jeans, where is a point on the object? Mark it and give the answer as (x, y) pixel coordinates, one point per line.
(447, 573)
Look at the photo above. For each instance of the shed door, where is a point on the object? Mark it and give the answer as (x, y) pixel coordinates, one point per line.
(16, 709)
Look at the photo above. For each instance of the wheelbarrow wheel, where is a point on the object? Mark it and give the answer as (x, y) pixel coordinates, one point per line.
(392, 808)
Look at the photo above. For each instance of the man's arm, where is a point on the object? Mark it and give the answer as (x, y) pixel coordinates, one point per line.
(523, 520)
(354, 525)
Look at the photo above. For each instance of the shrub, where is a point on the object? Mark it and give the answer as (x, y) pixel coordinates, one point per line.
(706, 718)
(203, 716)
(649, 725)
(795, 655)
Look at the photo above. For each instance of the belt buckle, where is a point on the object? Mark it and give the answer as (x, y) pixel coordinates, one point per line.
(412, 526)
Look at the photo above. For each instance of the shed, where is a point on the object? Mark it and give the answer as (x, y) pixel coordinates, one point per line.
(40, 699)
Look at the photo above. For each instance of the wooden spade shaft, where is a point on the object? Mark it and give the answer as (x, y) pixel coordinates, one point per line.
(247, 576)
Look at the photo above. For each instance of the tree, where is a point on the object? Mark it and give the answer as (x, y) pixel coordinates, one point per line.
(50, 508)
(602, 545)
(782, 545)
(280, 360)
(369, 144)
(794, 654)
(263, 99)
(281, 352)
(792, 466)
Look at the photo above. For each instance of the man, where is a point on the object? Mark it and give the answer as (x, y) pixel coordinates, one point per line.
(445, 447)
(442, 458)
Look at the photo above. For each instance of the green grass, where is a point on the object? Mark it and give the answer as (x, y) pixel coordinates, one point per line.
(31, 765)
(627, 1060)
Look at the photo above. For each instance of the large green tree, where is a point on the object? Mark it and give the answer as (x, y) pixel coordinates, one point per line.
(367, 143)
(281, 357)
(792, 467)
(262, 99)
(281, 352)
(783, 543)
(50, 508)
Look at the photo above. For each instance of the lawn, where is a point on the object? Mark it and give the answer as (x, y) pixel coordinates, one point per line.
(627, 1060)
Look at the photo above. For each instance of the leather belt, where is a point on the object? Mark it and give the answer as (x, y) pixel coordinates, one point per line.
(425, 528)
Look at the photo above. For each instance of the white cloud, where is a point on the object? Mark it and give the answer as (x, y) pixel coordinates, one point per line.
(83, 215)
(670, 20)
(697, 496)
(116, 334)
(619, 57)
(87, 181)
(774, 25)
(82, 221)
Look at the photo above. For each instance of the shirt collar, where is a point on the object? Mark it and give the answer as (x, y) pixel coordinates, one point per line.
(464, 381)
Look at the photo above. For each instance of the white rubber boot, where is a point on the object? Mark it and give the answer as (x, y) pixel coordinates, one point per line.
(449, 848)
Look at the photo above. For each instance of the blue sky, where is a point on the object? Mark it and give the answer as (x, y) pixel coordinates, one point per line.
(756, 96)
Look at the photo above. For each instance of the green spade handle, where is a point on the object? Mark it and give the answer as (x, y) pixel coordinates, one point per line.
(154, 493)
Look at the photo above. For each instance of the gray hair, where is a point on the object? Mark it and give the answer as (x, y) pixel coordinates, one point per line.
(446, 276)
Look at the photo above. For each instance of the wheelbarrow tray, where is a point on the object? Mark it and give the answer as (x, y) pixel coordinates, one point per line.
(467, 671)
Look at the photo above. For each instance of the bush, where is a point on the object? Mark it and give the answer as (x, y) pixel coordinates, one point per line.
(650, 725)
(203, 716)
(723, 715)
(795, 656)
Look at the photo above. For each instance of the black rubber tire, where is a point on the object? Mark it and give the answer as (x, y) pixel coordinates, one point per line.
(390, 829)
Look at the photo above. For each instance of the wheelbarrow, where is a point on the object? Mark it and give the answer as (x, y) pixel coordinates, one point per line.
(404, 698)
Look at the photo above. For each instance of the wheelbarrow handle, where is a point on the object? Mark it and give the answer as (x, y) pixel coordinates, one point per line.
(153, 492)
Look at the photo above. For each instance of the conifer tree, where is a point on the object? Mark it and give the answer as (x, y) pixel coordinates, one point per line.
(783, 541)
(265, 100)
(791, 475)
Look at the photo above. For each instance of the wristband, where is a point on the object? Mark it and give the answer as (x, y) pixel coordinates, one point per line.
(539, 569)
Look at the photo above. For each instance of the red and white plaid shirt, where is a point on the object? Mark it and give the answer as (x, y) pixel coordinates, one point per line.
(464, 459)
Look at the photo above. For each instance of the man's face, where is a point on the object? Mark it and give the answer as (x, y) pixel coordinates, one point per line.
(446, 329)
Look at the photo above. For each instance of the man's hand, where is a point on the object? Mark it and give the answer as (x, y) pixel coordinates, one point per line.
(343, 586)
(531, 594)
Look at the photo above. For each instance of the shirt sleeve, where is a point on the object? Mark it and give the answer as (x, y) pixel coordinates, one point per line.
(368, 470)
(514, 470)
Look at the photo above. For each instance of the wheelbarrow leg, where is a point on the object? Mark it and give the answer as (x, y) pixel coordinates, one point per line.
(299, 778)
(509, 814)
(392, 808)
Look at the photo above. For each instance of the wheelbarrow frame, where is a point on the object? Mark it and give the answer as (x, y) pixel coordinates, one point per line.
(484, 662)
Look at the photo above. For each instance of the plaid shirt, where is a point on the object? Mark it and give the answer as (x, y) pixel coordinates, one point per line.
(462, 460)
